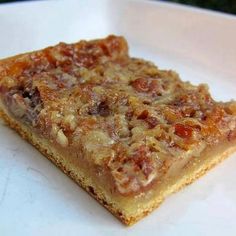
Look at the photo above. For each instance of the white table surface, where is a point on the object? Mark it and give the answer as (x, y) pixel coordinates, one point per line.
(36, 198)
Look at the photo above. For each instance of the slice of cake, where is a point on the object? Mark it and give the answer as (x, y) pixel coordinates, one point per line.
(128, 133)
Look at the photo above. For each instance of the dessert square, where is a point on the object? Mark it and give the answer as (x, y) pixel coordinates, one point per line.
(127, 132)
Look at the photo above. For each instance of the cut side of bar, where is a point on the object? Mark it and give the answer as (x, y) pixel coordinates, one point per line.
(129, 133)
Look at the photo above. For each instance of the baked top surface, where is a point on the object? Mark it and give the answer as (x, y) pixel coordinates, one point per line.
(122, 113)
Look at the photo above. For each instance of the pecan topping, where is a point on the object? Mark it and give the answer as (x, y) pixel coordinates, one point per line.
(145, 85)
(183, 131)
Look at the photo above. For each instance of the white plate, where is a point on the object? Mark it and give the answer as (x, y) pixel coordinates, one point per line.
(36, 198)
